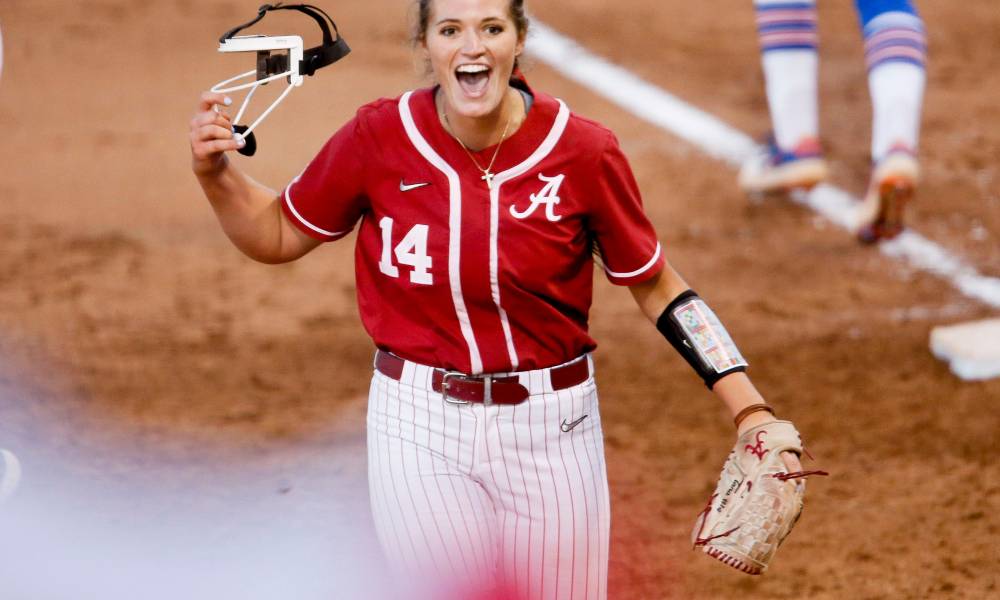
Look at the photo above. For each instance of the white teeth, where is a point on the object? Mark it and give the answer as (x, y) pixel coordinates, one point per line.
(472, 69)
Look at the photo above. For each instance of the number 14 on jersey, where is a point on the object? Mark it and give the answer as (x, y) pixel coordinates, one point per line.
(411, 251)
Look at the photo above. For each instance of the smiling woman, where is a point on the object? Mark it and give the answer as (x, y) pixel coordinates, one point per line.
(472, 48)
(486, 455)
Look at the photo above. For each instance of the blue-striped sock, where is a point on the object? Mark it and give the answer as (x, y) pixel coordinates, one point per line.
(788, 40)
(896, 55)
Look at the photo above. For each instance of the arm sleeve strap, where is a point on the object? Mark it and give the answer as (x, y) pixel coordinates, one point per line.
(697, 334)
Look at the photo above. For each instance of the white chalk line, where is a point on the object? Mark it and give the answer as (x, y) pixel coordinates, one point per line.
(721, 141)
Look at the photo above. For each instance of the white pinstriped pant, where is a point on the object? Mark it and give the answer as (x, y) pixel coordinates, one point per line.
(473, 497)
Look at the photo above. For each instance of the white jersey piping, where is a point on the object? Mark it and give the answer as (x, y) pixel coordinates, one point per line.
(454, 228)
(291, 207)
(543, 150)
(640, 270)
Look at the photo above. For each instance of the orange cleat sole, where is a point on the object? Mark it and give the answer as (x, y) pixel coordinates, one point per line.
(894, 194)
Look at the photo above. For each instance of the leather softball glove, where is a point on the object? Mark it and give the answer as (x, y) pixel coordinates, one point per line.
(756, 502)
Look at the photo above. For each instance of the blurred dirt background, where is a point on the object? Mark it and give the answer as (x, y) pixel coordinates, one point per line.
(141, 353)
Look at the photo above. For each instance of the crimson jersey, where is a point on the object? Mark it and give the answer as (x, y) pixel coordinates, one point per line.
(455, 275)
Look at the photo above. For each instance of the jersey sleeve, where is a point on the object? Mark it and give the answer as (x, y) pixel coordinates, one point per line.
(326, 200)
(625, 239)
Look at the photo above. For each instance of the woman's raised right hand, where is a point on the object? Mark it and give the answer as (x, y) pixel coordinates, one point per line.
(211, 134)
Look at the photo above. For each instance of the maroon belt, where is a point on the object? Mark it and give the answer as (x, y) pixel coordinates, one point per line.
(485, 389)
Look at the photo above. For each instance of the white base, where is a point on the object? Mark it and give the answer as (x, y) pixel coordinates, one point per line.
(971, 349)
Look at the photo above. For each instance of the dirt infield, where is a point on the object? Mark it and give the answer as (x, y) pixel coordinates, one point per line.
(142, 353)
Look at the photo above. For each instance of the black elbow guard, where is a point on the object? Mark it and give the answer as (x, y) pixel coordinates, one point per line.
(696, 333)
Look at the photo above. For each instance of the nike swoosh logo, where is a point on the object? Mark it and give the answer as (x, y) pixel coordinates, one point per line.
(567, 427)
(403, 187)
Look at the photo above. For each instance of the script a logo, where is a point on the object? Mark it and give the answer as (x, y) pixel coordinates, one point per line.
(758, 448)
(548, 195)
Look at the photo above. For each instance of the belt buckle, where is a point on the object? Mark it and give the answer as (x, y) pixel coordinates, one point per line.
(444, 387)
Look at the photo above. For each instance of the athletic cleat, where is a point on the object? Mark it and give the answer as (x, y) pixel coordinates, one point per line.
(775, 171)
(892, 187)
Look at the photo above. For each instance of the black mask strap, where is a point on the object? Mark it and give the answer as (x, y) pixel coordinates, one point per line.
(260, 15)
(330, 51)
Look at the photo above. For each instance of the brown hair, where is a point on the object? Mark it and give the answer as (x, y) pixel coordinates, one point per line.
(424, 15)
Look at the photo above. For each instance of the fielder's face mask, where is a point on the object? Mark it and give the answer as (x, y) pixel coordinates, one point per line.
(290, 61)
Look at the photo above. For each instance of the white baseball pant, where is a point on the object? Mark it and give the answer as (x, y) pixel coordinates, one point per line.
(491, 497)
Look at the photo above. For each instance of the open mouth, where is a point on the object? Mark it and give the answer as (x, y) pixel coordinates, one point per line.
(473, 79)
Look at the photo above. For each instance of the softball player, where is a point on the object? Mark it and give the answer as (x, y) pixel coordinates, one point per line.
(895, 52)
(479, 204)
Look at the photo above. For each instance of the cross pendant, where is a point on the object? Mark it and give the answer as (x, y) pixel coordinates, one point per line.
(488, 178)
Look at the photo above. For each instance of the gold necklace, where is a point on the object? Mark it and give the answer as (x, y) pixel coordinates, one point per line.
(488, 173)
